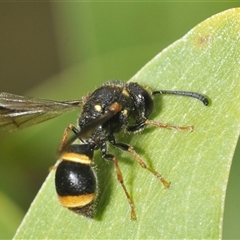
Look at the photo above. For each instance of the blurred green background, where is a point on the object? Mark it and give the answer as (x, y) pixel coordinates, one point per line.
(64, 50)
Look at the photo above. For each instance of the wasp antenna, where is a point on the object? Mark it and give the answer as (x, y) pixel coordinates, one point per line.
(184, 93)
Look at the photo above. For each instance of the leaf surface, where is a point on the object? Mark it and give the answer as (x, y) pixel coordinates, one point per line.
(205, 60)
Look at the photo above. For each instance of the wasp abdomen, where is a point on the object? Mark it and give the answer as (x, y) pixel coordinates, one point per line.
(75, 180)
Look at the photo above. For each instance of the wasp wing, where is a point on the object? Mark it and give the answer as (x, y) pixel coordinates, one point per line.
(87, 130)
(18, 112)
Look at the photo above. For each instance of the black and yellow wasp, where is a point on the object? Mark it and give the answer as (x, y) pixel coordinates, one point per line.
(113, 107)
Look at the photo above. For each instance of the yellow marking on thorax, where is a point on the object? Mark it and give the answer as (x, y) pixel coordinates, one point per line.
(98, 108)
(125, 93)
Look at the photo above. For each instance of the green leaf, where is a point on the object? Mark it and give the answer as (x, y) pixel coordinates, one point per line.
(197, 163)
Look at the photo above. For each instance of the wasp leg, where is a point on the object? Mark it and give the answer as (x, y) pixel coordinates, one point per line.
(120, 180)
(52, 168)
(141, 125)
(137, 127)
(65, 135)
(112, 158)
(130, 149)
(165, 125)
